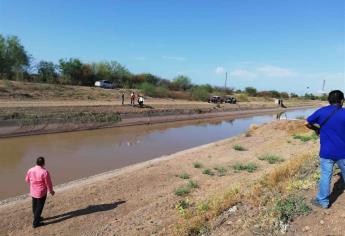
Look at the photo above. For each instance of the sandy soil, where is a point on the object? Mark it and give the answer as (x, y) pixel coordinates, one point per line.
(323, 221)
(140, 199)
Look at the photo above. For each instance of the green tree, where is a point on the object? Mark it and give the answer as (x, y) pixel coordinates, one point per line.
(275, 93)
(102, 71)
(14, 60)
(87, 75)
(181, 82)
(47, 72)
(251, 91)
(71, 71)
(114, 72)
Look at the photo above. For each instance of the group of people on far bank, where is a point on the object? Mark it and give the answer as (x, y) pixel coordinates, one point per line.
(138, 98)
(328, 122)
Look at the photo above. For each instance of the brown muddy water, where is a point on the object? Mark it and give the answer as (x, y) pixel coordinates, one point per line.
(74, 155)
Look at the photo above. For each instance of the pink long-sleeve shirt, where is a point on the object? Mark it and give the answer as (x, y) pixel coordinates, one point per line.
(39, 180)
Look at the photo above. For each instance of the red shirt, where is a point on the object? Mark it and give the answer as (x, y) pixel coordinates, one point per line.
(39, 180)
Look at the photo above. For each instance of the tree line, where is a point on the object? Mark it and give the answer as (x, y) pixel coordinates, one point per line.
(17, 64)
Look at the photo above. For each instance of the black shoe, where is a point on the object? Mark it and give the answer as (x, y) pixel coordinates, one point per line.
(38, 225)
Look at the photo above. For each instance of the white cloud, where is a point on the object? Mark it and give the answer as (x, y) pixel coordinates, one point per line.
(274, 71)
(174, 58)
(220, 70)
(241, 73)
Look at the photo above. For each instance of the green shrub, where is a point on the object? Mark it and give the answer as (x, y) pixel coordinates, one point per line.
(251, 91)
(239, 147)
(250, 167)
(207, 172)
(272, 159)
(148, 89)
(199, 93)
(182, 205)
(183, 190)
(306, 138)
(197, 165)
(192, 184)
(162, 92)
(291, 207)
(184, 176)
(203, 206)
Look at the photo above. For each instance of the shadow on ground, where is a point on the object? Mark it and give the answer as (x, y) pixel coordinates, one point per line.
(338, 189)
(85, 211)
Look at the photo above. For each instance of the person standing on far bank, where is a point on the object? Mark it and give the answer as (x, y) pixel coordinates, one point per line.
(331, 122)
(123, 98)
(40, 183)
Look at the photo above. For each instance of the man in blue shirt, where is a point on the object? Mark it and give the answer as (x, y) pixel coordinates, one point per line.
(331, 122)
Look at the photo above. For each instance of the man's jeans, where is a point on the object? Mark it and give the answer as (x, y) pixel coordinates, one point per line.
(326, 166)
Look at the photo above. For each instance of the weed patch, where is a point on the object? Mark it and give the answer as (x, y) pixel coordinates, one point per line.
(291, 207)
(239, 147)
(184, 176)
(305, 138)
(197, 165)
(181, 191)
(250, 167)
(192, 184)
(207, 172)
(272, 159)
(182, 205)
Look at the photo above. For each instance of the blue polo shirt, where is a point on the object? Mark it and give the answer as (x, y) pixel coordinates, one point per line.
(332, 134)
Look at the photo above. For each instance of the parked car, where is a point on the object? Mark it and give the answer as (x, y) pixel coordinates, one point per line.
(215, 99)
(231, 100)
(104, 84)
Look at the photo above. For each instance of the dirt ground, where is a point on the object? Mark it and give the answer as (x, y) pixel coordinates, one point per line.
(140, 199)
(323, 221)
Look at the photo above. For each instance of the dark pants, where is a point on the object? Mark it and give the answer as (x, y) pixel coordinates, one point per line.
(37, 208)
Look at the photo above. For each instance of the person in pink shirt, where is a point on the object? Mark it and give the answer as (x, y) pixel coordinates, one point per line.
(40, 183)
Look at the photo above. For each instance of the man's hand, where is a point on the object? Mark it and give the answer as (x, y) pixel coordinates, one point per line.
(52, 193)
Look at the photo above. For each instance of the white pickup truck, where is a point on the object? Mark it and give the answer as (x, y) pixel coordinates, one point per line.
(104, 84)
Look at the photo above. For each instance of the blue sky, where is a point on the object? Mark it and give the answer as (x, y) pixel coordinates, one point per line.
(268, 44)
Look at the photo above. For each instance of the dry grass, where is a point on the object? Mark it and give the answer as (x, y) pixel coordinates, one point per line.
(195, 220)
(281, 186)
(268, 195)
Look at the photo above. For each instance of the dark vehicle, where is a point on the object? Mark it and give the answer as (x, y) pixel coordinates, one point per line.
(231, 100)
(215, 99)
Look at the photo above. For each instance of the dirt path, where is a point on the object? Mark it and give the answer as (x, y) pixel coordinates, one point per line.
(140, 199)
(323, 221)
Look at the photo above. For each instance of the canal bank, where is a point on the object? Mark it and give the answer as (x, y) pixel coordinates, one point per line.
(25, 121)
